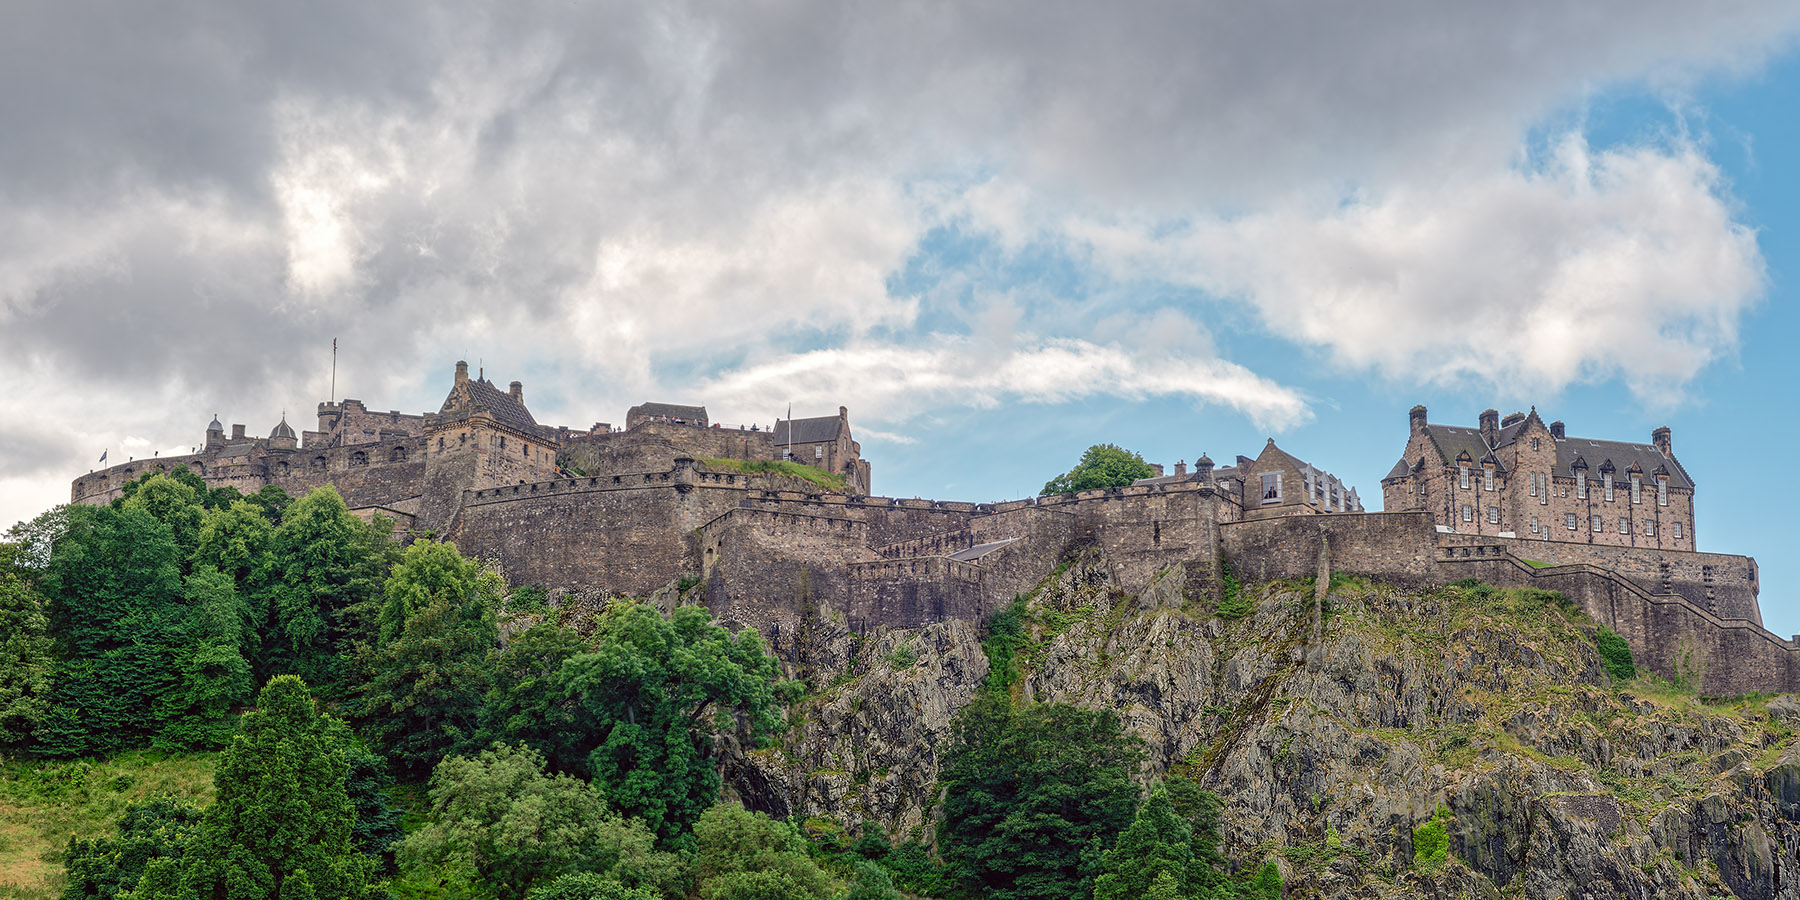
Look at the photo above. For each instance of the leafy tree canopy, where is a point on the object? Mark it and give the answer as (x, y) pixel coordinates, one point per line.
(1101, 466)
(499, 815)
(746, 855)
(1032, 794)
(106, 867)
(25, 660)
(654, 691)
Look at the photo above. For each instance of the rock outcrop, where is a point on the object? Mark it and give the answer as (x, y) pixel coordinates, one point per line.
(1331, 741)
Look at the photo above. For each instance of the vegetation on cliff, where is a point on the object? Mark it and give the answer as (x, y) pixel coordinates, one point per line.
(830, 481)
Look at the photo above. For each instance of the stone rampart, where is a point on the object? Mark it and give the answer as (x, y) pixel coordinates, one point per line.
(1721, 583)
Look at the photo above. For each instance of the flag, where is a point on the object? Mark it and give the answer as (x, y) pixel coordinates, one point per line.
(103, 454)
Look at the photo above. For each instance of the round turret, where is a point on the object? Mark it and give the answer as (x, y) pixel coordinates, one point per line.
(282, 430)
(215, 427)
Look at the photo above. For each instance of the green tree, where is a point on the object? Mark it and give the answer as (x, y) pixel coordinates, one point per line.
(499, 815)
(746, 855)
(114, 601)
(280, 826)
(871, 882)
(1158, 843)
(215, 676)
(366, 781)
(1031, 795)
(106, 867)
(1101, 466)
(271, 501)
(236, 540)
(172, 503)
(1431, 841)
(653, 692)
(25, 661)
(430, 571)
(329, 567)
(423, 697)
(526, 704)
(588, 886)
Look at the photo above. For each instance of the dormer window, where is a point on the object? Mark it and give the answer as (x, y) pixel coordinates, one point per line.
(1271, 487)
(1637, 488)
(1462, 475)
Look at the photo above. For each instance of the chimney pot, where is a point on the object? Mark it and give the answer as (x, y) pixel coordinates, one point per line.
(462, 371)
(1181, 467)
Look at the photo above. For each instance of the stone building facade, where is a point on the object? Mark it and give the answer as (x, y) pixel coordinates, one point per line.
(1518, 477)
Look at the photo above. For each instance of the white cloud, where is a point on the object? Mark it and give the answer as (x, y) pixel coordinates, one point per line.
(1622, 263)
(888, 383)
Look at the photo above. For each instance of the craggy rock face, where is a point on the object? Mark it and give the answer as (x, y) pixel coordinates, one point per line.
(1329, 751)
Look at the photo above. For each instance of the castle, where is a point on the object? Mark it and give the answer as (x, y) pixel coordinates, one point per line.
(672, 495)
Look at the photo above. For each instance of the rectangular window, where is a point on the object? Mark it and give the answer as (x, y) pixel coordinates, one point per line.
(1649, 529)
(1596, 525)
(1662, 491)
(1534, 483)
(1494, 514)
(1462, 477)
(1468, 513)
(1606, 482)
(1487, 478)
(1534, 524)
(1271, 487)
(1570, 521)
(819, 451)
(1624, 525)
(1581, 485)
(1637, 489)
(1678, 530)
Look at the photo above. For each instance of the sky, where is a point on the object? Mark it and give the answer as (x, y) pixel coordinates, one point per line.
(996, 232)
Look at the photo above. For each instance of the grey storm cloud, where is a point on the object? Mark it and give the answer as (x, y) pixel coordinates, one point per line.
(196, 197)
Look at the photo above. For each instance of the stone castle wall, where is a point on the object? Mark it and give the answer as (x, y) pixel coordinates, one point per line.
(1720, 583)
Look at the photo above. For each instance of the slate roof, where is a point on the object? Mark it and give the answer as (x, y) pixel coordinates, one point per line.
(821, 430)
(980, 550)
(1400, 470)
(231, 451)
(1452, 441)
(695, 414)
(282, 430)
(505, 409)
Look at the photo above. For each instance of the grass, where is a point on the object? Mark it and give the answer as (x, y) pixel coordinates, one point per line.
(786, 467)
(44, 803)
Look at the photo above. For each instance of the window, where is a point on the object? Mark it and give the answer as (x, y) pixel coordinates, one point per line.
(1624, 525)
(1468, 513)
(440, 443)
(1462, 477)
(1637, 488)
(1487, 478)
(1662, 491)
(1596, 525)
(1581, 485)
(1494, 514)
(1271, 487)
(1534, 483)
(1570, 521)
(1534, 443)
(1678, 530)
(818, 451)
(1606, 485)
(359, 458)
(1534, 524)
(503, 443)
(1649, 529)
(398, 454)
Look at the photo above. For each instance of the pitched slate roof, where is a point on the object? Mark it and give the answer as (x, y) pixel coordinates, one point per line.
(1400, 470)
(483, 395)
(695, 414)
(820, 430)
(1622, 454)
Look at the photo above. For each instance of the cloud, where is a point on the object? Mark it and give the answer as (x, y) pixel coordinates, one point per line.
(1622, 263)
(888, 383)
(193, 203)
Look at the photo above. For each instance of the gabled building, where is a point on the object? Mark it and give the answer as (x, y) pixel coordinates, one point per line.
(1275, 483)
(1519, 477)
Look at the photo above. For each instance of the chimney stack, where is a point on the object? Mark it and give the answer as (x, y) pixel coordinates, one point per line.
(1661, 438)
(462, 371)
(1181, 468)
(517, 391)
(1490, 426)
(1156, 470)
(237, 432)
(1556, 429)
(1416, 419)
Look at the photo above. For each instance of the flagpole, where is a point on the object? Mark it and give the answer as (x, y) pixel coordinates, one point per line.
(334, 371)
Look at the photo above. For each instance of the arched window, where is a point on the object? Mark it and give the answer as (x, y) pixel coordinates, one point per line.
(281, 468)
(318, 462)
(359, 458)
(398, 454)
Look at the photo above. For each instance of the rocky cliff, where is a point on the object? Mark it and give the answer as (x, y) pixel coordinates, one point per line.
(1333, 723)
